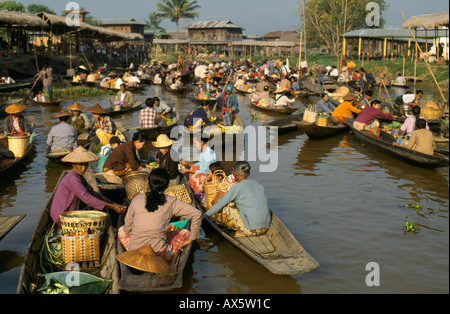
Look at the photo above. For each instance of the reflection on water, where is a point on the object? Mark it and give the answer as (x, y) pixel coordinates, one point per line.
(344, 202)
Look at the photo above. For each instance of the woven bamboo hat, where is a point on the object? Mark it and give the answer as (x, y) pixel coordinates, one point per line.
(76, 107)
(63, 113)
(144, 259)
(80, 155)
(15, 108)
(97, 109)
(342, 90)
(163, 141)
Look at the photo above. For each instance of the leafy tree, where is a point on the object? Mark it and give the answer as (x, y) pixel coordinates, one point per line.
(178, 9)
(12, 6)
(34, 8)
(324, 20)
(154, 24)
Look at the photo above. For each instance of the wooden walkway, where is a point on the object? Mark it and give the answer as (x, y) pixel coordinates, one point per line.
(7, 223)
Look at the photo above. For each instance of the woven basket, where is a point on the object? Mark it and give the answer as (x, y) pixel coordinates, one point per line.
(180, 192)
(81, 247)
(212, 187)
(135, 183)
(92, 219)
(430, 113)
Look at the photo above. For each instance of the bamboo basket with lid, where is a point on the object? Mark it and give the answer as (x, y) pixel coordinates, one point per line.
(92, 219)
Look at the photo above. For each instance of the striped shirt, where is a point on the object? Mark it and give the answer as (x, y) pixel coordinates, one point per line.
(107, 125)
(147, 118)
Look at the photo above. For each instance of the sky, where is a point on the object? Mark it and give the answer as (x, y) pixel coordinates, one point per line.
(257, 17)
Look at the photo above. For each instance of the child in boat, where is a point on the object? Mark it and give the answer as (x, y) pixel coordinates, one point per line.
(251, 215)
(106, 150)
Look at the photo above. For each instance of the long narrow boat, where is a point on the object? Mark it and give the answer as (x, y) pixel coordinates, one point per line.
(226, 139)
(315, 131)
(140, 282)
(286, 124)
(7, 88)
(136, 105)
(277, 250)
(404, 154)
(283, 110)
(14, 163)
(54, 102)
(108, 269)
(211, 101)
(179, 90)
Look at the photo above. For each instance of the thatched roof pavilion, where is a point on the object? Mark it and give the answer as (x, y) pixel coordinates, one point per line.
(429, 21)
(13, 19)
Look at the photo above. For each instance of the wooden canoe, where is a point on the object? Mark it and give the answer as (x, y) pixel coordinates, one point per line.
(137, 281)
(226, 138)
(239, 91)
(7, 223)
(57, 157)
(55, 102)
(180, 90)
(134, 106)
(108, 269)
(14, 163)
(285, 110)
(384, 145)
(286, 124)
(277, 250)
(7, 88)
(211, 102)
(317, 132)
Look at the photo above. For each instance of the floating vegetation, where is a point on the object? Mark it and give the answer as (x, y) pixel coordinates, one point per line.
(410, 227)
(82, 91)
(254, 117)
(416, 206)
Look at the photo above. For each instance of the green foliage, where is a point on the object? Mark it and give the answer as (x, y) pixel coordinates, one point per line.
(82, 91)
(325, 20)
(410, 227)
(154, 24)
(178, 9)
(34, 8)
(12, 6)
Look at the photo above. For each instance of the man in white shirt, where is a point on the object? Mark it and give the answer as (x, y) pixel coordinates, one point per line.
(118, 83)
(400, 80)
(304, 66)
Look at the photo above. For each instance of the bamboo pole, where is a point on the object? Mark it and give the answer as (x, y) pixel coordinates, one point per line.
(359, 49)
(300, 56)
(343, 37)
(404, 66)
(89, 64)
(426, 62)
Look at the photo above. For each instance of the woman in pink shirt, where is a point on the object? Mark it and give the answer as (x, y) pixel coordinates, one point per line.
(409, 125)
(148, 218)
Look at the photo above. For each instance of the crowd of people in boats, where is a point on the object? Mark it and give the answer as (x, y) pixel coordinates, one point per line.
(148, 216)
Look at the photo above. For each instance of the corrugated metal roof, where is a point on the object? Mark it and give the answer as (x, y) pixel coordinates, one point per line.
(213, 24)
(121, 21)
(396, 32)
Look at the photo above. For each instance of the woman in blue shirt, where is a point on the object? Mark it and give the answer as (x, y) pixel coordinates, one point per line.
(251, 215)
(198, 172)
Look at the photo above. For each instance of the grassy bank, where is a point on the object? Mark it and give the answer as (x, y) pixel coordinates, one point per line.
(71, 92)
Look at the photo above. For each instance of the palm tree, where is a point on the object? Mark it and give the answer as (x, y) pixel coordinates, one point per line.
(154, 23)
(178, 9)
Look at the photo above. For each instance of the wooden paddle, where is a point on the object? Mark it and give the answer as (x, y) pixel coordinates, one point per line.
(26, 98)
(171, 271)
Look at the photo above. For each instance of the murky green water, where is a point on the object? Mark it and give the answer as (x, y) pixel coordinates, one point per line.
(343, 201)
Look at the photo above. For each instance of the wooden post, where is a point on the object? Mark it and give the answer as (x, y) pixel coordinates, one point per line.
(426, 62)
(404, 66)
(409, 47)
(359, 49)
(384, 49)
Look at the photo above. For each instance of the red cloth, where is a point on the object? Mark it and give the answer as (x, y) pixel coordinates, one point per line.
(196, 180)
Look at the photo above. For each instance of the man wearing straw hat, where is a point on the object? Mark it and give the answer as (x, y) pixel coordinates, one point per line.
(104, 125)
(74, 187)
(166, 158)
(344, 110)
(79, 120)
(15, 123)
(62, 137)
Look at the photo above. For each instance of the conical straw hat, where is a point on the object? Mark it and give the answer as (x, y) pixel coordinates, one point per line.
(97, 109)
(144, 259)
(76, 107)
(343, 90)
(80, 155)
(15, 108)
